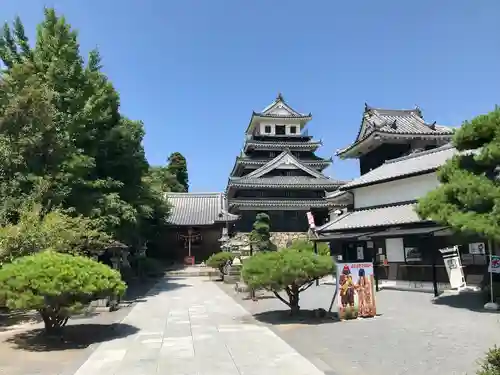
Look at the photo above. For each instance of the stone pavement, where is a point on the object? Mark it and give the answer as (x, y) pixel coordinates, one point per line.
(190, 326)
(415, 334)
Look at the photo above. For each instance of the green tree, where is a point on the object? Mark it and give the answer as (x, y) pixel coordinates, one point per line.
(57, 285)
(260, 236)
(62, 117)
(55, 230)
(163, 180)
(220, 260)
(468, 197)
(306, 245)
(177, 166)
(286, 270)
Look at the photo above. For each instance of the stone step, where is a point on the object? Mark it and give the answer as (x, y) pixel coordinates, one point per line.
(193, 272)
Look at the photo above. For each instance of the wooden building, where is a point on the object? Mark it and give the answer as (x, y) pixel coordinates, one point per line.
(399, 154)
(278, 172)
(197, 223)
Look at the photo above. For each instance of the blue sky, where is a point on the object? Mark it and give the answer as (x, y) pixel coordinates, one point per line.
(193, 70)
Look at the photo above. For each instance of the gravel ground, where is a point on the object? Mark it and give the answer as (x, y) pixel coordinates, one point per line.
(414, 334)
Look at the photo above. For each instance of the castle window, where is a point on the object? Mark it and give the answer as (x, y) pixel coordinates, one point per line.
(267, 129)
(280, 129)
(293, 130)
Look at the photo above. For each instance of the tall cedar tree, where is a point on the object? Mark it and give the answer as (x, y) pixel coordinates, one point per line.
(63, 138)
(468, 199)
(177, 166)
(163, 180)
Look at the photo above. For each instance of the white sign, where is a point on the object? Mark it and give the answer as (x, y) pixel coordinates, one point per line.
(360, 253)
(451, 258)
(477, 248)
(494, 266)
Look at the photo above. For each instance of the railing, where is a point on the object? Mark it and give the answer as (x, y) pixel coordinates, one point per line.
(412, 273)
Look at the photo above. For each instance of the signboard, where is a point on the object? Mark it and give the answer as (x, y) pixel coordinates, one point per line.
(356, 290)
(189, 261)
(310, 220)
(477, 248)
(413, 254)
(494, 266)
(451, 258)
(360, 253)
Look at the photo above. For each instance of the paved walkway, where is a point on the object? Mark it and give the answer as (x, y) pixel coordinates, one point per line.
(190, 326)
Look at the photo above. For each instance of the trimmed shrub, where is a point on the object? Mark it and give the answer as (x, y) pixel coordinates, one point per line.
(287, 270)
(57, 285)
(490, 365)
(220, 260)
(306, 245)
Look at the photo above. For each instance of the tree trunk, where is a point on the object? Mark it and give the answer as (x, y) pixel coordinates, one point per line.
(221, 270)
(53, 320)
(293, 297)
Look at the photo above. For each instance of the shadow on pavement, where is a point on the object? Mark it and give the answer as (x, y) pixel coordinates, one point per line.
(77, 336)
(306, 317)
(8, 319)
(472, 301)
(138, 291)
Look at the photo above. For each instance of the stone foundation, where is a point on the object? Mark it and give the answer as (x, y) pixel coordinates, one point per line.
(280, 239)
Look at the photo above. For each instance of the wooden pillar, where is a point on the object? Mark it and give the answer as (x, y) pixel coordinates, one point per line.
(434, 271)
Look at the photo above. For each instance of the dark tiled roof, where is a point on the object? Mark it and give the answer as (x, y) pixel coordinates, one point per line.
(309, 162)
(281, 145)
(305, 203)
(285, 158)
(396, 122)
(285, 181)
(375, 217)
(420, 162)
(403, 122)
(197, 208)
(302, 116)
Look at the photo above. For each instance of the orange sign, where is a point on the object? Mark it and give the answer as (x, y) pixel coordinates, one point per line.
(189, 261)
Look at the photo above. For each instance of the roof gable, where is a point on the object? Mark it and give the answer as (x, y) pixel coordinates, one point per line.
(282, 160)
(280, 108)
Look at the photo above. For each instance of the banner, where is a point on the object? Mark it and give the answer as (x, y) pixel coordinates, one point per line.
(494, 266)
(356, 290)
(451, 259)
(310, 220)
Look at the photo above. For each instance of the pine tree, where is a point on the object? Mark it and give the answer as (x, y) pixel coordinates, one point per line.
(468, 199)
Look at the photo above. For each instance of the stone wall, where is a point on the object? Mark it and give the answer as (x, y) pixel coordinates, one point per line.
(280, 239)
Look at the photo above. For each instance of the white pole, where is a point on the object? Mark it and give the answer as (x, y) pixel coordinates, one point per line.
(492, 304)
(491, 272)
